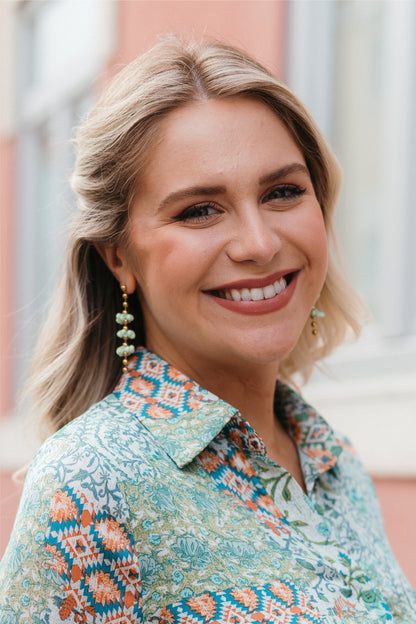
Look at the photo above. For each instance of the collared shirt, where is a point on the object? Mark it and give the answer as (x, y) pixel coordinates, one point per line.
(160, 505)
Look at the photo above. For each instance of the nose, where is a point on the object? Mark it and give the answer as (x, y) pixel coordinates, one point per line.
(253, 237)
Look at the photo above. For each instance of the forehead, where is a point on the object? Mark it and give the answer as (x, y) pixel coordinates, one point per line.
(219, 137)
(189, 121)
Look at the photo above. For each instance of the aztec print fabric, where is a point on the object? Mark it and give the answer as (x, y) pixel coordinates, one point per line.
(160, 506)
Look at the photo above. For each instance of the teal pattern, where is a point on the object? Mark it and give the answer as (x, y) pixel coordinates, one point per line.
(160, 505)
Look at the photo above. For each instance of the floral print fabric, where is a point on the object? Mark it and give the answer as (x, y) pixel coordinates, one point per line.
(160, 505)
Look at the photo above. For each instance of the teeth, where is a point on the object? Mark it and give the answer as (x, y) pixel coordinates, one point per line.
(269, 291)
(280, 285)
(245, 295)
(256, 294)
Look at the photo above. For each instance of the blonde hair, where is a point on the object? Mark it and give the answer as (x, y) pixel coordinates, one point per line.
(75, 364)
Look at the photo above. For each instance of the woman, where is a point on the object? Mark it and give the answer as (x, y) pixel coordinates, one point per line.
(193, 488)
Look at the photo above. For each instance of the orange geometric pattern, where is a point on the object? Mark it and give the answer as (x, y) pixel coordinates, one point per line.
(280, 603)
(103, 588)
(112, 534)
(157, 390)
(233, 473)
(96, 560)
(223, 535)
(63, 508)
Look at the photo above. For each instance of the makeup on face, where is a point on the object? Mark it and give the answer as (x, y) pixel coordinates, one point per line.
(227, 241)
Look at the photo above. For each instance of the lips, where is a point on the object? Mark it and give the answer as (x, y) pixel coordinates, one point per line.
(255, 289)
(254, 294)
(257, 296)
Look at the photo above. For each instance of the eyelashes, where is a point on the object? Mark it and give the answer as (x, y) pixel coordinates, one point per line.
(284, 192)
(201, 213)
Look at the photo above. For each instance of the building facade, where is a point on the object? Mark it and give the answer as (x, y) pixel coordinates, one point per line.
(353, 64)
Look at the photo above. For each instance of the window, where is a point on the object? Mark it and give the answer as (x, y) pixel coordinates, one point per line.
(354, 65)
(62, 46)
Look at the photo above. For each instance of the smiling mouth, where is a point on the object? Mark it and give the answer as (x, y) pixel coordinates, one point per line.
(256, 294)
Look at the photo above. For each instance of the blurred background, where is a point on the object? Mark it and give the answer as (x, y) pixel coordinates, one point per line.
(353, 62)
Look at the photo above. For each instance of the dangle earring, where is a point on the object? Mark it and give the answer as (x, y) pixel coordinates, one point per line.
(124, 318)
(315, 314)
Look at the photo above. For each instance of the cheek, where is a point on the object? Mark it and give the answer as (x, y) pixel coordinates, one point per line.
(167, 263)
(319, 236)
(315, 238)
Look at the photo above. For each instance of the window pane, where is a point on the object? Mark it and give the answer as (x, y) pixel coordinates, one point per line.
(64, 33)
(373, 104)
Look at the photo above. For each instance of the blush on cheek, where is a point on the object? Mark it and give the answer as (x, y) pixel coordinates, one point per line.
(183, 255)
(317, 232)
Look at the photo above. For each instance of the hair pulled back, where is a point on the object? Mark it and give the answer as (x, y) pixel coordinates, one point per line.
(75, 364)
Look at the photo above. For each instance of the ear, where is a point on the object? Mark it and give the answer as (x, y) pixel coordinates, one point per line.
(116, 260)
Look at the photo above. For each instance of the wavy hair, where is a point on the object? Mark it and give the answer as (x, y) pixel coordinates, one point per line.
(75, 363)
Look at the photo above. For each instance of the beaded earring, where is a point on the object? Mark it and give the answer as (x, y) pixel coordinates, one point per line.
(124, 318)
(315, 314)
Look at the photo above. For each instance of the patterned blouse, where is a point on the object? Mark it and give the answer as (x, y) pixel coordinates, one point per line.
(159, 505)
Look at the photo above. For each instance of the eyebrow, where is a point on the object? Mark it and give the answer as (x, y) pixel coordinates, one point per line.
(202, 190)
(284, 171)
(192, 191)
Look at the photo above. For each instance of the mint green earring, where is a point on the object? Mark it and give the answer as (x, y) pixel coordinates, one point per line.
(124, 318)
(315, 314)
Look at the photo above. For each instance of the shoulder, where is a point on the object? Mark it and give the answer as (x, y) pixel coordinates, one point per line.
(87, 465)
(97, 454)
(73, 500)
(108, 431)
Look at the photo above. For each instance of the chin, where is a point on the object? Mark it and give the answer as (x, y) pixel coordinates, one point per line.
(263, 353)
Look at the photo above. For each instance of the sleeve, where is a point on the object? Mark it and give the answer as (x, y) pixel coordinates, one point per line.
(71, 557)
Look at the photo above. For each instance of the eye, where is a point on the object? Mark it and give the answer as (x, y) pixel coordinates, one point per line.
(200, 213)
(284, 192)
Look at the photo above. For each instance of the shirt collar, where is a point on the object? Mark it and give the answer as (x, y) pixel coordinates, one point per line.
(180, 414)
(318, 444)
(184, 417)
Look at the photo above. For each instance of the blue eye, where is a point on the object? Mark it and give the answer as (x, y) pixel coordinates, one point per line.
(198, 213)
(284, 192)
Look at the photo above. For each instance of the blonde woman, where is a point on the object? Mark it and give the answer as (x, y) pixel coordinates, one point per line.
(188, 485)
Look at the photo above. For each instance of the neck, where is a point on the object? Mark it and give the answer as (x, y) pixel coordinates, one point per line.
(247, 386)
(250, 389)
(253, 396)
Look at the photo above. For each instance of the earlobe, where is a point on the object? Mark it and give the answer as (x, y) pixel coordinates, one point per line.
(116, 260)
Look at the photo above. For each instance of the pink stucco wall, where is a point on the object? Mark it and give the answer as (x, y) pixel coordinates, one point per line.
(398, 501)
(258, 26)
